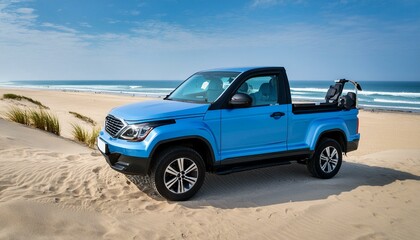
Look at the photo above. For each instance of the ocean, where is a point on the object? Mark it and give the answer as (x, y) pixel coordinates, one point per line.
(380, 95)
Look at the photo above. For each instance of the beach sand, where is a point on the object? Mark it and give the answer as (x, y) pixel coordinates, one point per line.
(54, 188)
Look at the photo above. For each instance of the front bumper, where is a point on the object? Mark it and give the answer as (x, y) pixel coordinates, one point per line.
(127, 159)
(127, 164)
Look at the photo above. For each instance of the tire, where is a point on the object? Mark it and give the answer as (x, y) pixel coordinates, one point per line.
(178, 173)
(327, 159)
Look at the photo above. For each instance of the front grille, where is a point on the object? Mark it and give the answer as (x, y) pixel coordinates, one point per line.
(113, 125)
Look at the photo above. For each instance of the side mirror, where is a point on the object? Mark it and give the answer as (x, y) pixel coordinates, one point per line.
(240, 100)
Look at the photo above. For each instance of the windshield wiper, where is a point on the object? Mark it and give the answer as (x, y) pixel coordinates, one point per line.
(185, 100)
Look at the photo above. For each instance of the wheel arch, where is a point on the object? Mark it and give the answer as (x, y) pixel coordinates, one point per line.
(198, 143)
(335, 134)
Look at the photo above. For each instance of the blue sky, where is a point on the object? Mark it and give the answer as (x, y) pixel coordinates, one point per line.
(170, 39)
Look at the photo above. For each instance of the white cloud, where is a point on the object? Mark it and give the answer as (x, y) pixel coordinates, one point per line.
(267, 3)
(58, 27)
(85, 24)
(135, 12)
(25, 10)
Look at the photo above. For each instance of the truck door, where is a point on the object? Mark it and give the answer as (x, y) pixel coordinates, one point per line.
(259, 129)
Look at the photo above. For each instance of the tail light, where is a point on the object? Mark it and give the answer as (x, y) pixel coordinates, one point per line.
(357, 128)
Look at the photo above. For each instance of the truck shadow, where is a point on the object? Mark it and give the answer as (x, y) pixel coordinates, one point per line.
(288, 183)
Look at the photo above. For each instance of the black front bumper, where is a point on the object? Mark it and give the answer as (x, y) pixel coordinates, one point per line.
(352, 146)
(127, 164)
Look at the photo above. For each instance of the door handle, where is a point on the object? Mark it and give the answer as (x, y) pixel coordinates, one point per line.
(277, 115)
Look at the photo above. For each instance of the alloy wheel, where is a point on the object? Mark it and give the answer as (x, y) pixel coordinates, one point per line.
(180, 175)
(329, 159)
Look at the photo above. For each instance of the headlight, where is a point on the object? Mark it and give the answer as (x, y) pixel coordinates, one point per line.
(138, 132)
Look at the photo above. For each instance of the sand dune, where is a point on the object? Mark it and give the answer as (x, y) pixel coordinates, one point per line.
(54, 188)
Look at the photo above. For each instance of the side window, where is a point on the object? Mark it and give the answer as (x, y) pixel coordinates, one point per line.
(262, 89)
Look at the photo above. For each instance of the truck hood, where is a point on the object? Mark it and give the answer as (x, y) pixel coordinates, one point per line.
(158, 109)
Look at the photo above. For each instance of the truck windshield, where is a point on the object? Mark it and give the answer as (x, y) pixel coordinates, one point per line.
(203, 87)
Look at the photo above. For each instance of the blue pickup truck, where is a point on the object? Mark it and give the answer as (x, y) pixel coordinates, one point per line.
(229, 120)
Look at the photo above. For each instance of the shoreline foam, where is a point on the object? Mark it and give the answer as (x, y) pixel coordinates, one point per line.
(365, 107)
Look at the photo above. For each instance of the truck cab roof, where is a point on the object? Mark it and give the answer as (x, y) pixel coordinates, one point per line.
(242, 69)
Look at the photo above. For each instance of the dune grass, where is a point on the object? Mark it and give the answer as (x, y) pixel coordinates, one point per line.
(19, 98)
(44, 121)
(37, 118)
(18, 115)
(91, 142)
(83, 118)
(79, 133)
(51, 124)
(82, 135)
